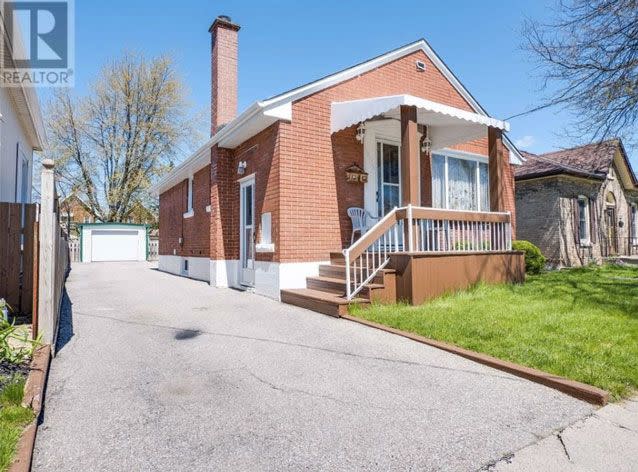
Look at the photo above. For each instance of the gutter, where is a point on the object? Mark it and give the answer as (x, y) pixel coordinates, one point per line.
(224, 133)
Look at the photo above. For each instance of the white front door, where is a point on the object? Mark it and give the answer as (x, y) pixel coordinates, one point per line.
(247, 233)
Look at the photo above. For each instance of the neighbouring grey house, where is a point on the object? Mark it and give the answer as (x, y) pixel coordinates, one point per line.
(578, 205)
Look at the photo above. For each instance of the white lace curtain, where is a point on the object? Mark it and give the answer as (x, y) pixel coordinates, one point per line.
(465, 188)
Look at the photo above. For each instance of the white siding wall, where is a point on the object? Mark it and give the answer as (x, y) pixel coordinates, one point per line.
(12, 133)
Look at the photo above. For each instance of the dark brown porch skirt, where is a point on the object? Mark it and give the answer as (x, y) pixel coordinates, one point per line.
(423, 276)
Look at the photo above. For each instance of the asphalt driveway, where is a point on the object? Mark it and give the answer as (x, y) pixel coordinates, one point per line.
(158, 372)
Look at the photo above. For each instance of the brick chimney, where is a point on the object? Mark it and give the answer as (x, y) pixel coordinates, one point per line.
(224, 71)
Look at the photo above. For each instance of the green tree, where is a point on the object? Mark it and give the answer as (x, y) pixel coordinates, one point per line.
(110, 145)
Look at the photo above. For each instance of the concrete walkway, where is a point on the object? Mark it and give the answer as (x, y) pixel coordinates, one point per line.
(605, 441)
(157, 372)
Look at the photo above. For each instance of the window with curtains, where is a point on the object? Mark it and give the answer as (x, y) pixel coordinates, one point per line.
(460, 183)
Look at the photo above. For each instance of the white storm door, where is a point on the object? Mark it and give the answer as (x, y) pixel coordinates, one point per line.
(247, 233)
(388, 177)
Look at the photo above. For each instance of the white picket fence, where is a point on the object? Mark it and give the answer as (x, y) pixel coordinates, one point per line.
(74, 250)
(153, 249)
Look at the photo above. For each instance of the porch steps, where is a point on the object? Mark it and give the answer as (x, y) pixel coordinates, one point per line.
(326, 293)
(319, 301)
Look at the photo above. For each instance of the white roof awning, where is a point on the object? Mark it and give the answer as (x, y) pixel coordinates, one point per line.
(446, 125)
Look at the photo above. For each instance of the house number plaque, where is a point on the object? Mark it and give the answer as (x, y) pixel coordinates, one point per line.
(356, 175)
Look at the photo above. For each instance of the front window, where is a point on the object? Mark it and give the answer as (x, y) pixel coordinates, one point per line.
(460, 182)
(583, 219)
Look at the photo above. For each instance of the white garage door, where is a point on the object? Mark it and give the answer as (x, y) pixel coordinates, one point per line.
(114, 245)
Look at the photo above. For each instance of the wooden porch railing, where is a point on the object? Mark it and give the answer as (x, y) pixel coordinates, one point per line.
(423, 230)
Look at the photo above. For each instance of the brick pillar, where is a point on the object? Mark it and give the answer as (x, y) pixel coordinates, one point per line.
(496, 169)
(221, 191)
(409, 157)
(223, 71)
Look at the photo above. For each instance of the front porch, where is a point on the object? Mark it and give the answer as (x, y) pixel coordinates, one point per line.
(415, 254)
(442, 219)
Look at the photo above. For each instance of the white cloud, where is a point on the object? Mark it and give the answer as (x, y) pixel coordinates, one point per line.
(524, 142)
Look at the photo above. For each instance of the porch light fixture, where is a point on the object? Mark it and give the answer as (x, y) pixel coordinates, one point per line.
(241, 167)
(426, 142)
(361, 132)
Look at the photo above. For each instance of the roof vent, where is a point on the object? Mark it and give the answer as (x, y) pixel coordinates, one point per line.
(420, 66)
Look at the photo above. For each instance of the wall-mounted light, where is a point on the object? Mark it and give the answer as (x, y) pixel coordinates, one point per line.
(361, 132)
(241, 167)
(426, 142)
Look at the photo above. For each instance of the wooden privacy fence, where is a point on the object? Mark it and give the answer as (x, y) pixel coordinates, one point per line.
(54, 260)
(34, 258)
(18, 255)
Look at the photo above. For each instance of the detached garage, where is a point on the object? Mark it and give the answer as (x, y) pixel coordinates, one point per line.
(103, 242)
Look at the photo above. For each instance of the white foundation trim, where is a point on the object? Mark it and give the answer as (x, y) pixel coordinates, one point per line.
(224, 273)
(198, 267)
(272, 277)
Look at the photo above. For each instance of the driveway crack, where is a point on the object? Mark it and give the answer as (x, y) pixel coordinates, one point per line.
(562, 442)
(307, 346)
(295, 390)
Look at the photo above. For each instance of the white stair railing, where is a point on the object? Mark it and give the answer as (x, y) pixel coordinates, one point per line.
(423, 230)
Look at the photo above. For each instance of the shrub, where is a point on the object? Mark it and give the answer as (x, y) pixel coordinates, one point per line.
(15, 347)
(534, 259)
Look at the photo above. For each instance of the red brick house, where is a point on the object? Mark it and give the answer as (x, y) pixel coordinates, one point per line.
(264, 203)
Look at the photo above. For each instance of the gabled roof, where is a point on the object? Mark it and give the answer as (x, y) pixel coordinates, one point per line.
(262, 114)
(589, 161)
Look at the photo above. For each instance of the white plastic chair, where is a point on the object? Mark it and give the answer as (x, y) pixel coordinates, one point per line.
(361, 221)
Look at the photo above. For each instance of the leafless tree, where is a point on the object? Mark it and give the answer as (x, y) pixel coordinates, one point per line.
(110, 145)
(588, 57)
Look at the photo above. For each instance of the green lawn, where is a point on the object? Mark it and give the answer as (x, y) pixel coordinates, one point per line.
(13, 419)
(577, 323)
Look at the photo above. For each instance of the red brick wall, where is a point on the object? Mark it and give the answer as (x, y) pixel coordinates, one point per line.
(195, 230)
(314, 194)
(300, 169)
(261, 154)
(224, 74)
(172, 207)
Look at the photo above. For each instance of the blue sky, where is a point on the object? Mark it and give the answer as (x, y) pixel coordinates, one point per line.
(283, 44)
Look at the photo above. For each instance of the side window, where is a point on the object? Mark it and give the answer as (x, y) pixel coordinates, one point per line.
(583, 219)
(189, 203)
(634, 224)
